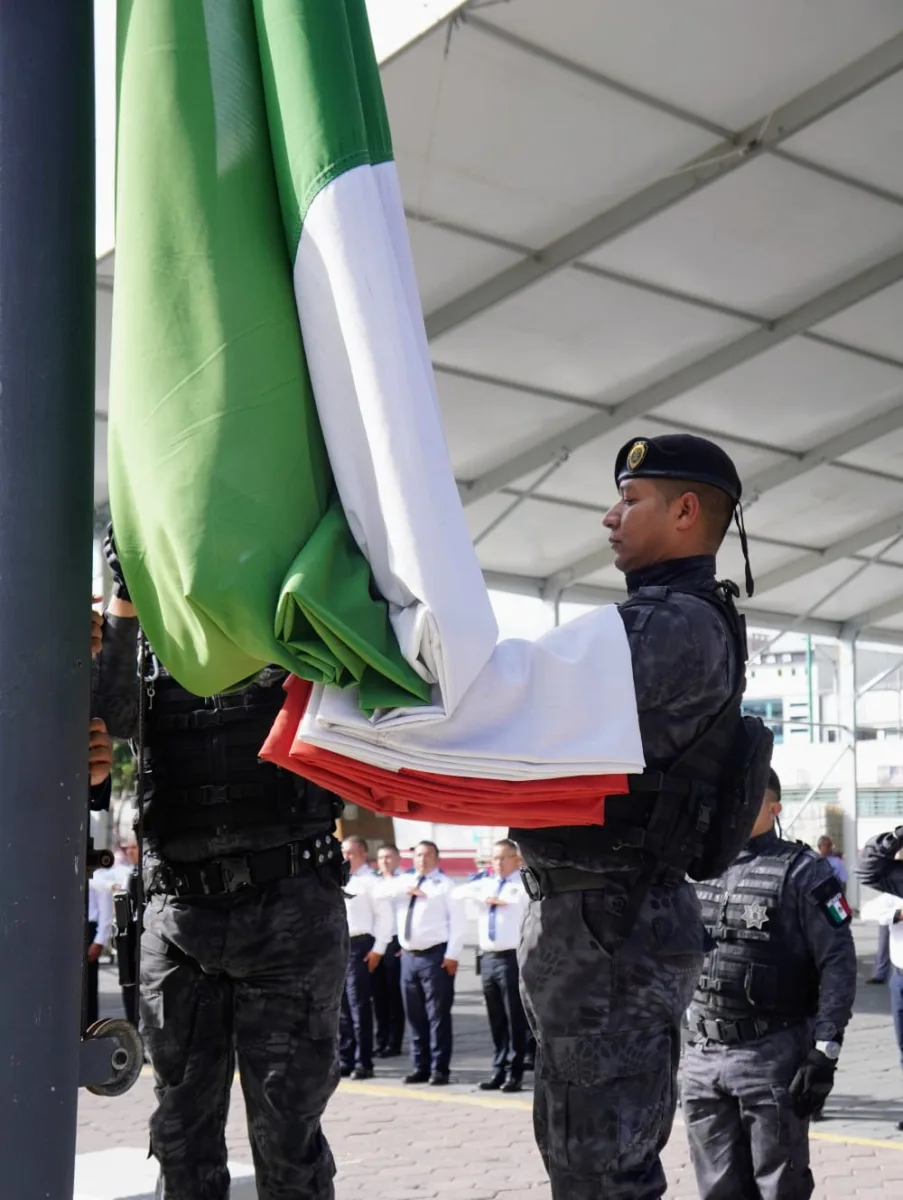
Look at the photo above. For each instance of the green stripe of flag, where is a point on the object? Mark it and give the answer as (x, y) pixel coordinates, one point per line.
(324, 97)
(234, 545)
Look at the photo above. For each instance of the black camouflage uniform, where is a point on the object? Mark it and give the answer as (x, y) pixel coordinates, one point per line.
(245, 937)
(779, 982)
(606, 1008)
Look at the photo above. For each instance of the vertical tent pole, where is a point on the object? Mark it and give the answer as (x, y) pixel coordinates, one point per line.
(46, 470)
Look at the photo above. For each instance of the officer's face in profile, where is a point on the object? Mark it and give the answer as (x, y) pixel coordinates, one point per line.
(644, 527)
(770, 810)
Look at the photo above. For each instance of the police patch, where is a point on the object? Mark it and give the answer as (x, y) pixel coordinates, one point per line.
(636, 454)
(830, 899)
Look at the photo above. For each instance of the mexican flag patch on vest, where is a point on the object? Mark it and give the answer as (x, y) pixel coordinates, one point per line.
(832, 902)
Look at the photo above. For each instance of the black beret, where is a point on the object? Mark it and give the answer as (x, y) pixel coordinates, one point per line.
(678, 456)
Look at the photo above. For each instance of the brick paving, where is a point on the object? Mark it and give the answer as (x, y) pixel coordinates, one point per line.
(460, 1144)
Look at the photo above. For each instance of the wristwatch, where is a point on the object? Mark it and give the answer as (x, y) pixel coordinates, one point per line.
(829, 1050)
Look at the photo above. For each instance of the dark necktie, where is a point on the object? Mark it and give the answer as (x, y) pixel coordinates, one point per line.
(493, 911)
(409, 915)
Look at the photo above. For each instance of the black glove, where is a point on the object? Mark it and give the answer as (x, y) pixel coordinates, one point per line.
(111, 554)
(812, 1083)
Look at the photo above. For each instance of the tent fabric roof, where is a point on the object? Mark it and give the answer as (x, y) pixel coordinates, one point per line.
(628, 219)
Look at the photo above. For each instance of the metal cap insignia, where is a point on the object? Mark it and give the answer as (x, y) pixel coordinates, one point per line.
(636, 454)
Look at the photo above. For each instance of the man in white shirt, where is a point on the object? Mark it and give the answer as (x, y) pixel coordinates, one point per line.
(431, 928)
(99, 925)
(502, 902)
(387, 1003)
(369, 929)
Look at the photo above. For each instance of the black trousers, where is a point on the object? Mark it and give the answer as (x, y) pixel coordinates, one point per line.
(257, 974)
(356, 1024)
(429, 992)
(387, 1002)
(507, 1020)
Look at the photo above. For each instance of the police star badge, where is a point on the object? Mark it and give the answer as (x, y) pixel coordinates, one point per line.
(636, 454)
(754, 915)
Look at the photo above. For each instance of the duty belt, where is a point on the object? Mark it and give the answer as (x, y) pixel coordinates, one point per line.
(549, 881)
(219, 876)
(745, 1029)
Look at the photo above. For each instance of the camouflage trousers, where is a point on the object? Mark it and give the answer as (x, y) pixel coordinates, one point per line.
(606, 1016)
(257, 974)
(746, 1142)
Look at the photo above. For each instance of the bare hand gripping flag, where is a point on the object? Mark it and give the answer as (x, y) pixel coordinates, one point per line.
(280, 482)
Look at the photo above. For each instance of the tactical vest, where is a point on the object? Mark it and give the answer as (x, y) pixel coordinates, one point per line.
(750, 973)
(696, 815)
(202, 775)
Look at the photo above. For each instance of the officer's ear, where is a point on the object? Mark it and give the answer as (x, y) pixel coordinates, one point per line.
(688, 510)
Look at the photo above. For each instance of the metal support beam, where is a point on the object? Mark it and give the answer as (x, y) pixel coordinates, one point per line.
(847, 547)
(874, 616)
(825, 452)
(848, 771)
(767, 132)
(879, 678)
(46, 452)
(710, 366)
(595, 561)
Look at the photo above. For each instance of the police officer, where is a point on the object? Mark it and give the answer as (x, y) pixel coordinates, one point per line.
(613, 942)
(881, 867)
(769, 1012)
(245, 937)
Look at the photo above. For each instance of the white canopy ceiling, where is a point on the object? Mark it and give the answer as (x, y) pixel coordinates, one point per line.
(633, 218)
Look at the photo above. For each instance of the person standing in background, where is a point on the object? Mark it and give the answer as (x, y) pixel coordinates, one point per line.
(97, 934)
(826, 850)
(502, 901)
(386, 979)
(369, 931)
(881, 868)
(431, 928)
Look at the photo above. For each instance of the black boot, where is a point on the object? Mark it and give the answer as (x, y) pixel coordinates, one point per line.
(493, 1084)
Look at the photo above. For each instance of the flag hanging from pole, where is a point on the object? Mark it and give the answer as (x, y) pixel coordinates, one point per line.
(238, 123)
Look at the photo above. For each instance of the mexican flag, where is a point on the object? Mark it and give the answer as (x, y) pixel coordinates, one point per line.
(280, 484)
(266, 313)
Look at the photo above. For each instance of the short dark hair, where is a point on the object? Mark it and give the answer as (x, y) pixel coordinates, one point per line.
(716, 506)
(432, 845)
(390, 846)
(774, 784)
(357, 840)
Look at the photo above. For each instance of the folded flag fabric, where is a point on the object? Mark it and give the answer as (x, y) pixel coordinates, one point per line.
(261, 258)
(562, 705)
(427, 796)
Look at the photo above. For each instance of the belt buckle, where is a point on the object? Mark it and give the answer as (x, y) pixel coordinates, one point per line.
(532, 886)
(236, 873)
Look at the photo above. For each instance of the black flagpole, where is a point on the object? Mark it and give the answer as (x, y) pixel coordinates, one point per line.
(47, 269)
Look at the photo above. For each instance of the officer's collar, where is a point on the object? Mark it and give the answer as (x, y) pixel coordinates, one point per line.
(676, 573)
(763, 842)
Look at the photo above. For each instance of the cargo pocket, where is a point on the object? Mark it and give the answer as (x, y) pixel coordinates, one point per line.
(610, 1098)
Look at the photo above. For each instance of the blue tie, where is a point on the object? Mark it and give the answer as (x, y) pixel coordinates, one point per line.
(493, 911)
(409, 915)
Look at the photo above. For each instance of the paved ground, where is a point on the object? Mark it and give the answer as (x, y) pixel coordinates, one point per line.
(460, 1144)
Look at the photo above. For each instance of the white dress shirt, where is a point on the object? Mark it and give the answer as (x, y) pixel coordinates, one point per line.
(100, 910)
(368, 912)
(509, 915)
(882, 909)
(436, 917)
